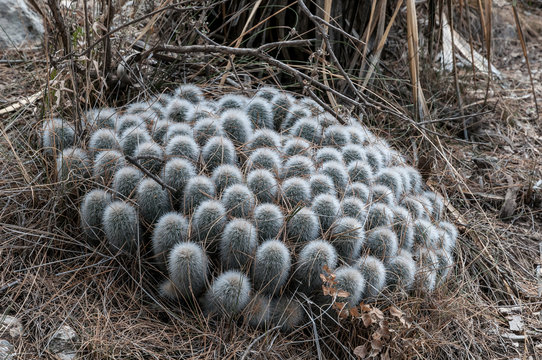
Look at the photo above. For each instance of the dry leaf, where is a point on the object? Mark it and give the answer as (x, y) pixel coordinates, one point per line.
(396, 312)
(354, 312)
(361, 351)
(364, 307)
(327, 290)
(378, 313)
(342, 293)
(367, 320)
(377, 345)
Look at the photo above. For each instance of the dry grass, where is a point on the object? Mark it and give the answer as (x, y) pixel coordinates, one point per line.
(50, 276)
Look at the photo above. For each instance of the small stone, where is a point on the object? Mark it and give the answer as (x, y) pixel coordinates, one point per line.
(64, 343)
(11, 325)
(7, 351)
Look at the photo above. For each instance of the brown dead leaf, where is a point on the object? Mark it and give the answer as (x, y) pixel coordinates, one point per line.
(377, 345)
(354, 312)
(361, 351)
(364, 307)
(396, 312)
(377, 313)
(367, 320)
(342, 293)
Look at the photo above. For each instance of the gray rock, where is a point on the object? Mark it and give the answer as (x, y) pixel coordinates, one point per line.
(7, 351)
(10, 326)
(64, 343)
(19, 24)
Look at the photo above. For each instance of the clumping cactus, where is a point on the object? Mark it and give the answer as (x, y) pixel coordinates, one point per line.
(337, 173)
(360, 172)
(128, 122)
(132, 138)
(415, 179)
(302, 225)
(218, 150)
(392, 180)
(297, 166)
(267, 92)
(106, 164)
(176, 129)
(183, 147)
(313, 258)
(437, 204)
(237, 244)
(354, 208)
(374, 273)
(381, 243)
(258, 311)
(159, 131)
(383, 194)
(187, 269)
(415, 207)
(321, 184)
(400, 271)
(137, 108)
(205, 129)
(204, 110)
(374, 159)
(103, 139)
(350, 284)
(177, 173)
(170, 229)
(336, 136)
(228, 295)
(308, 129)
(403, 226)
(295, 191)
(347, 236)
(451, 232)
(226, 175)
(297, 146)
(326, 154)
(379, 215)
(197, 190)
(360, 191)
(295, 113)
(208, 223)
(263, 184)
(231, 101)
(57, 134)
(238, 200)
(327, 208)
(92, 209)
(190, 93)
(150, 155)
(179, 110)
(152, 199)
(121, 227)
(353, 153)
(358, 134)
(264, 159)
(287, 313)
(425, 278)
(73, 163)
(271, 267)
(101, 118)
(281, 103)
(236, 126)
(126, 181)
(444, 264)
(425, 234)
(260, 113)
(269, 221)
(265, 138)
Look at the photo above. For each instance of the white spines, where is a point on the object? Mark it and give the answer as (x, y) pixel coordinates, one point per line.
(228, 295)
(300, 166)
(347, 236)
(150, 155)
(231, 101)
(437, 204)
(358, 190)
(103, 139)
(281, 104)
(391, 179)
(126, 181)
(190, 93)
(132, 138)
(187, 268)
(321, 184)
(295, 113)
(271, 267)
(101, 118)
(336, 136)
(381, 243)
(260, 113)
(302, 225)
(267, 92)
(159, 131)
(225, 176)
(351, 284)
(269, 221)
(403, 226)
(451, 232)
(313, 258)
(236, 126)
(425, 234)
(297, 146)
(217, 151)
(152, 199)
(238, 200)
(354, 208)
(92, 210)
(295, 191)
(326, 154)
(197, 190)
(237, 244)
(374, 273)
(374, 159)
(183, 147)
(327, 208)
(129, 122)
(425, 279)
(107, 164)
(265, 138)
(308, 129)
(400, 271)
(170, 229)
(177, 129)
(263, 184)
(379, 215)
(205, 129)
(179, 110)
(382, 194)
(360, 172)
(121, 227)
(208, 222)
(287, 313)
(264, 159)
(337, 173)
(177, 173)
(57, 134)
(353, 153)
(73, 163)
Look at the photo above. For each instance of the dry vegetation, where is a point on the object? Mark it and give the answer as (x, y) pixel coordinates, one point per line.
(49, 275)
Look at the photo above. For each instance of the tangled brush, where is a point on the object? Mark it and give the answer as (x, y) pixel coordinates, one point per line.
(245, 202)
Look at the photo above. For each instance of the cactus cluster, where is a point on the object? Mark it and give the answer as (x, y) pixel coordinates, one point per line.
(256, 198)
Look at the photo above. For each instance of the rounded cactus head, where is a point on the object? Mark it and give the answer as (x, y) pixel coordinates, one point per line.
(360, 172)
(374, 273)
(137, 108)
(177, 173)
(444, 265)
(179, 110)
(381, 243)
(415, 179)
(101, 118)
(425, 234)
(271, 267)
(295, 112)
(358, 134)
(360, 191)
(308, 129)
(231, 101)
(126, 181)
(57, 134)
(131, 138)
(379, 215)
(103, 139)
(73, 163)
(183, 147)
(295, 192)
(336, 135)
(228, 295)
(258, 311)
(106, 164)
(170, 229)
(121, 227)
(327, 208)
(355, 208)
(175, 129)
(437, 204)
(400, 272)
(237, 244)
(374, 159)
(264, 159)
(217, 151)
(392, 180)
(297, 146)
(337, 172)
(263, 184)
(238, 200)
(236, 126)
(152, 199)
(326, 154)
(287, 313)
(403, 226)
(208, 223)
(150, 155)
(265, 138)
(353, 153)
(205, 129)
(204, 110)
(297, 166)
(187, 268)
(190, 93)
(383, 194)
(451, 232)
(311, 105)
(159, 131)
(313, 258)
(260, 113)
(302, 225)
(267, 92)
(269, 221)
(427, 263)
(128, 122)
(415, 207)
(281, 105)
(197, 190)
(347, 236)
(321, 184)
(226, 175)
(350, 286)
(92, 209)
